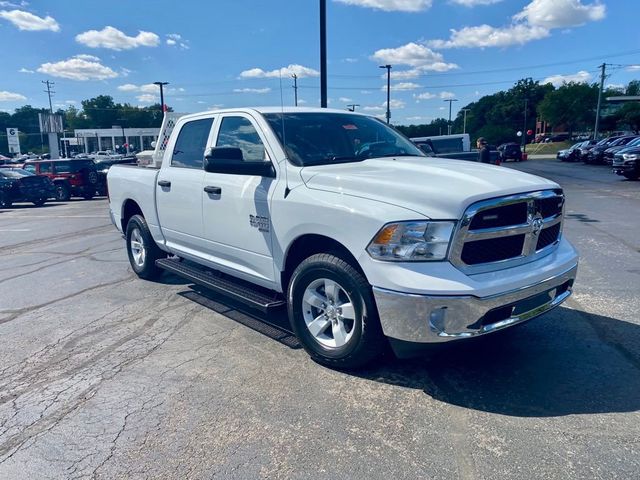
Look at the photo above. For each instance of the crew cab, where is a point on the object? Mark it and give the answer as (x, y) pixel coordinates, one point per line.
(339, 217)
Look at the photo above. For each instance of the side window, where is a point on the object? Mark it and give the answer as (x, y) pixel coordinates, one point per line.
(238, 132)
(188, 151)
(45, 168)
(30, 168)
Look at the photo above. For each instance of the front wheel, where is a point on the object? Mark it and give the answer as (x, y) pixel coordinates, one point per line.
(631, 176)
(5, 201)
(63, 193)
(39, 202)
(142, 249)
(333, 313)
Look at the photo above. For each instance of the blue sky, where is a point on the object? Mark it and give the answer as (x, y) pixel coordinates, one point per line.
(233, 52)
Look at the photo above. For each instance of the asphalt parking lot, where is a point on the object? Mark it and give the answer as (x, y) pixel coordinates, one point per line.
(103, 375)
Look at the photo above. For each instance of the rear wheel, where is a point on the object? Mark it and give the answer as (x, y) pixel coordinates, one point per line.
(40, 202)
(631, 176)
(333, 313)
(142, 249)
(63, 193)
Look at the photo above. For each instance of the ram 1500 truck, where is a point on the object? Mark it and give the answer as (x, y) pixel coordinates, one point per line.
(334, 214)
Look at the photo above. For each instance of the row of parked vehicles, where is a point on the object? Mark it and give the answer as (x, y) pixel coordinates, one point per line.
(37, 181)
(622, 152)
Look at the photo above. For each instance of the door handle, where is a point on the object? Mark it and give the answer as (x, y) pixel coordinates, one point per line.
(164, 183)
(213, 190)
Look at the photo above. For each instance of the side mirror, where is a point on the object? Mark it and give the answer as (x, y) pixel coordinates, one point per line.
(230, 160)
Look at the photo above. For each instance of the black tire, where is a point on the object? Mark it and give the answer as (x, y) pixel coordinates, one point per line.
(63, 193)
(40, 202)
(631, 176)
(5, 201)
(366, 341)
(88, 195)
(146, 268)
(89, 176)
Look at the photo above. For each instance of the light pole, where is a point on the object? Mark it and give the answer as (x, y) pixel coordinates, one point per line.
(323, 53)
(161, 85)
(388, 68)
(464, 122)
(450, 100)
(295, 87)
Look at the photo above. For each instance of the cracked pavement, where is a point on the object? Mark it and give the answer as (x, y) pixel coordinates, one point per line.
(105, 376)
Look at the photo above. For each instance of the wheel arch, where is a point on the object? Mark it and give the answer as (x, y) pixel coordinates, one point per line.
(310, 244)
(129, 208)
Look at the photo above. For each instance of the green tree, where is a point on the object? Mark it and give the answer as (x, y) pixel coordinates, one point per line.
(572, 105)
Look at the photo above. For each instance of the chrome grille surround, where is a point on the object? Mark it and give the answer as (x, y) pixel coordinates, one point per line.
(531, 229)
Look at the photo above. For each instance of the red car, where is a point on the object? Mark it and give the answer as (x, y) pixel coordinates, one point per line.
(71, 178)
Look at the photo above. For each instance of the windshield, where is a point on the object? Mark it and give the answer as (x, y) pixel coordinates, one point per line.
(14, 173)
(315, 138)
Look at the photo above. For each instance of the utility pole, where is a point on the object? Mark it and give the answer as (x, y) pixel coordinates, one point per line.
(602, 77)
(323, 53)
(524, 129)
(464, 122)
(161, 85)
(388, 67)
(295, 87)
(49, 93)
(352, 107)
(450, 100)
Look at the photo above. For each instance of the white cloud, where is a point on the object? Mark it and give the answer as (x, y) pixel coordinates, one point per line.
(558, 80)
(391, 5)
(395, 104)
(561, 13)
(147, 98)
(350, 60)
(412, 54)
(301, 101)
(488, 36)
(403, 86)
(447, 95)
(89, 58)
(299, 70)
(616, 86)
(252, 90)
(424, 96)
(11, 96)
(366, 92)
(114, 39)
(373, 108)
(417, 117)
(25, 70)
(70, 102)
(146, 88)
(175, 39)
(473, 3)
(345, 99)
(28, 21)
(633, 68)
(7, 4)
(77, 69)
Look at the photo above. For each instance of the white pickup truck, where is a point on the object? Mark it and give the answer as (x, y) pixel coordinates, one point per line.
(338, 216)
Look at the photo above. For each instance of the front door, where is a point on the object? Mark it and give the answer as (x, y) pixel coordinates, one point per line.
(179, 187)
(236, 210)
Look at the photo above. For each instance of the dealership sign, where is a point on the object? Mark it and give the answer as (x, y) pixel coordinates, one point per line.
(13, 140)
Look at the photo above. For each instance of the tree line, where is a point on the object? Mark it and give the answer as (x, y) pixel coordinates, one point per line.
(570, 108)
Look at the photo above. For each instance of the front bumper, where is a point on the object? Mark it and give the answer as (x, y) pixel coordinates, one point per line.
(442, 318)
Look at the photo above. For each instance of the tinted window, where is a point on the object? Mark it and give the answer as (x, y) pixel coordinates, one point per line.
(45, 168)
(238, 132)
(192, 140)
(30, 168)
(14, 173)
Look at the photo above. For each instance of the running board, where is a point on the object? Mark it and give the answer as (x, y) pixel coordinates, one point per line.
(238, 290)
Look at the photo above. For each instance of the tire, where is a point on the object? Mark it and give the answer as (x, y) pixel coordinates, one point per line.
(90, 176)
(40, 202)
(357, 341)
(5, 201)
(631, 176)
(88, 195)
(142, 249)
(63, 194)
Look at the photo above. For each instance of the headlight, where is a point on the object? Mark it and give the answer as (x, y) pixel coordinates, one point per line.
(630, 156)
(412, 241)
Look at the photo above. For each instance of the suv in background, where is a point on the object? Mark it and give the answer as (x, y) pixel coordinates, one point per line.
(71, 178)
(510, 151)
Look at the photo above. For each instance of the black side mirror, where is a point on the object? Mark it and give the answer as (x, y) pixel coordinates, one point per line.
(231, 161)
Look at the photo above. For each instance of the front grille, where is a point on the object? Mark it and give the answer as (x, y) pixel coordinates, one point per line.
(492, 250)
(508, 231)
(548, 236)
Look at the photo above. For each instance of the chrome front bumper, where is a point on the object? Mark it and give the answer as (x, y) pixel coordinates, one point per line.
(435, 319)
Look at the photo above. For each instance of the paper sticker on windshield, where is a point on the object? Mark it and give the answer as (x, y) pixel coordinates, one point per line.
(349, 126)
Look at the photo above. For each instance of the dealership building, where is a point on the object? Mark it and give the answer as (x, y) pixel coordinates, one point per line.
(94, 139)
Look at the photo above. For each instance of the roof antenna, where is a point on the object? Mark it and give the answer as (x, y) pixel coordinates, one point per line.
(284, 141)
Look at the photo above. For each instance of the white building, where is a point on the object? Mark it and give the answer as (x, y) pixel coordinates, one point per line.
(94, 139)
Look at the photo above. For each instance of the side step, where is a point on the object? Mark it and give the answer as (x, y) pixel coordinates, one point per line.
(238, 290)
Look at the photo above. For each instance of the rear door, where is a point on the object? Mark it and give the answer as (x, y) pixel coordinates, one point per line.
(179, 186)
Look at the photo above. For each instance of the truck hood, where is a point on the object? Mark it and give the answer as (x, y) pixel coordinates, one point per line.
(437, 188)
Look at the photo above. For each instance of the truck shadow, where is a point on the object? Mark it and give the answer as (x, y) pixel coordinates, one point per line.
(568, 362)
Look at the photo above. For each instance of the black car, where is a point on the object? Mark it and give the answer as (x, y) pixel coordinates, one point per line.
(596, 154)
(572, 153)
(627, 163)
(510, 151)
(621, 144)
(17, 185)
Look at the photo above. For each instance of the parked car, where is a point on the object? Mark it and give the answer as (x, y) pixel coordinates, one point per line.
(17, 185)
(344, 221)
(583, 150)
(103, 166)
(627, 163)
(72, 178)
(621, 144)
(510, 151)
(596, 154)
(569, 154)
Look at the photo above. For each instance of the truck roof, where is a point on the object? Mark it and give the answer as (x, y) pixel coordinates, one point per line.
(276, 110)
